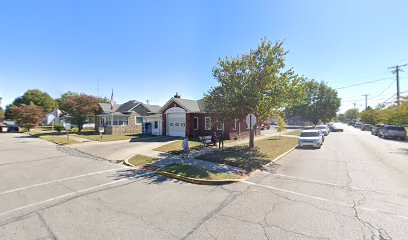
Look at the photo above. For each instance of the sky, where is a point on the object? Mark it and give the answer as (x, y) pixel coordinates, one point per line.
(149, 50)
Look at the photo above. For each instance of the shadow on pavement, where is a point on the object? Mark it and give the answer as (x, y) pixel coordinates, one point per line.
(137, 174)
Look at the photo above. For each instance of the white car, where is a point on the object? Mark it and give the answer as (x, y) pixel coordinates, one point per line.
(325, 129)
(312, 138)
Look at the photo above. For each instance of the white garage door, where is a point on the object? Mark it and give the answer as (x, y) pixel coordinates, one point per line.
(176, 124)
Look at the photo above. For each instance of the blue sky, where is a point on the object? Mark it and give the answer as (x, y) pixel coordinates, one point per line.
(152, 49)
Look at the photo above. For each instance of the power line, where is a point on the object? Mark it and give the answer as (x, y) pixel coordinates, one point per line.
(383, 90)
(358, 84)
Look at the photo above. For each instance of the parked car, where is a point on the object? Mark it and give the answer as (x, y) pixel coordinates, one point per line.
(376, 128)
(391, 131)
(337, 128)
(13, 128)
(366, 127)
(358, 124)
(310, 138)
(265, 125)
(325, 129)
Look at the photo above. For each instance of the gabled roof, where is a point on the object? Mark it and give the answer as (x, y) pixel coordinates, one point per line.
(191, 106)
(152, 108)
(106, 107)
(128, 106)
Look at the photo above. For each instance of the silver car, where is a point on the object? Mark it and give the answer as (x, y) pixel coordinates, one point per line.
(310, 138)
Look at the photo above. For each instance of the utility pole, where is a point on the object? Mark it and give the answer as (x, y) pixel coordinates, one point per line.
(396, 70)
(366, 95)
(354, 104)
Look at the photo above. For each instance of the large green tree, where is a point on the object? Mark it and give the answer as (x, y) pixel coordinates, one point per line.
(80, 108)
(321, 103)
(37, 97)
(351, 114)
(256, 83)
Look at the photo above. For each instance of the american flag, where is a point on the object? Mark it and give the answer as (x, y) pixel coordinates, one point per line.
(112, 103)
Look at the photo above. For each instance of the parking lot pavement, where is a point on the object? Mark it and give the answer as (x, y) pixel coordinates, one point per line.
(351, 188)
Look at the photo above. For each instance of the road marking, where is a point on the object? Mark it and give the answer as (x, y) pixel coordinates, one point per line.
(60, 180)
(334, 184)
(323, 199)
(70, 194)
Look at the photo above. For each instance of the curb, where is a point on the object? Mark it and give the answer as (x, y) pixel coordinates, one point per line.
(210, 182)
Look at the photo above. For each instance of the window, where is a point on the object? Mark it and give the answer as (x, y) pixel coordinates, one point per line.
(125, 121)
(220, 127)
(108, 121)
(156, 124)
(195, 123)
(115, 121)
(207, 123)
(120, 121)
(139, 120)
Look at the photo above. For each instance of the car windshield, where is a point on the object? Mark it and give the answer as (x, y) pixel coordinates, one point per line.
(395, 128)
(309, 134)
(321, 127)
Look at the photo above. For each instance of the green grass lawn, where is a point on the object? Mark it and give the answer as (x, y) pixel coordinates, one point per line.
(196, 172)
(88, 134)
(240, 156)
(294, 132)
(176, 148)
(62, 139)
(106, 138)
(139, 160)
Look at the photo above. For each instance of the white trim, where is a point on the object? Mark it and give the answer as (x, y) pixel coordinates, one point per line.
(198, 123)
(205, 123)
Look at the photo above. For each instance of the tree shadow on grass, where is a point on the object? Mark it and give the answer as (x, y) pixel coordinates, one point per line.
(238, 156)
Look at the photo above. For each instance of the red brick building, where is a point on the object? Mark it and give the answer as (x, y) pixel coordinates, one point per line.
(184, 117)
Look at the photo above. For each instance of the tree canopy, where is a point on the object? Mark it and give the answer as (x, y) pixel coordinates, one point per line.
(80, 108)
(321, 103)
(27, 116)
(253, 83)
(37, 97)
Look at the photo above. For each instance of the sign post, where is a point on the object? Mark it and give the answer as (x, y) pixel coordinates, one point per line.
(251, 122)
(101, 130)
(67, 127)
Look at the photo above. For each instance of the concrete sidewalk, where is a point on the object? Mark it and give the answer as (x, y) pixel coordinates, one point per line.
(167, 159)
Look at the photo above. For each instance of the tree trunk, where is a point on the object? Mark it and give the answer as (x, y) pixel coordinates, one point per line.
(251, 138)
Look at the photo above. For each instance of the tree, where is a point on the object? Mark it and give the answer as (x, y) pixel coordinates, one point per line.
(80, 108)
(64, 96)
(37, 97)
(341, 117)
(351, 114)
(253, 83)
(320, 104)
(370, 116)
(27, 116)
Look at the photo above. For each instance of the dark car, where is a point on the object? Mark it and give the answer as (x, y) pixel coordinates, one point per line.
(13, 128)
(391, 131)
(376, 128)
(366, 127)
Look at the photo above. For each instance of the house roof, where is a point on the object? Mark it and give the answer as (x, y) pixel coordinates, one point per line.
(114, 114)
(191, 106)
(128, 106)
(152, 108)
(106, 107)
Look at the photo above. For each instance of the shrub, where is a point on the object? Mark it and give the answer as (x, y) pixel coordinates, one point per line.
(75, 129)
(58, 127)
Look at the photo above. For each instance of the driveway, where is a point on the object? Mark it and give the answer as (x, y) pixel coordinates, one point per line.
(123, 149)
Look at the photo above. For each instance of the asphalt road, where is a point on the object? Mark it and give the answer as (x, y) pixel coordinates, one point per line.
(354, 187)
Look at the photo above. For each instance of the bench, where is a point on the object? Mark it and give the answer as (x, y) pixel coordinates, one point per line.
(206, 140)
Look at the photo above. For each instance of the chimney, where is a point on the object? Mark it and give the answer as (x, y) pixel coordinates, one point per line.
(177, 95)
(147, 101)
